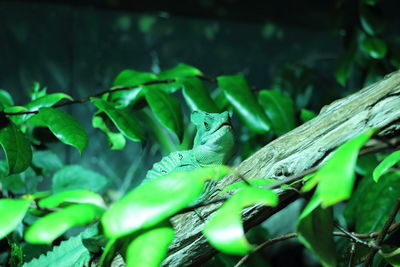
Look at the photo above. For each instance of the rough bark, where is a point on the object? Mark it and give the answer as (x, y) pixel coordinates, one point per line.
(307, 146)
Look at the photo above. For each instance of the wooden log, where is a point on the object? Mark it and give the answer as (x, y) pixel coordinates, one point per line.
(307, 146)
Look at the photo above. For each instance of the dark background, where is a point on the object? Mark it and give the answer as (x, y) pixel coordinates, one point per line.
(78, 47)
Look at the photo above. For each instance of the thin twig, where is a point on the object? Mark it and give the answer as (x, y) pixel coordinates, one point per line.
(352, 254)
(382, 234)
(110, 91)
(266, 244)
(352, 237)
(202, 204)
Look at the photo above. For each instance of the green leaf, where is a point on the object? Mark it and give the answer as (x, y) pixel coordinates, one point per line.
(76, 177)
(306, 115)
(155, 201)
(35, 92)
(15, 183)
(117, 141)
(196, 95)
(395, 60)
(256, 182)
(166, 109)
(391, 254)
(245, 103)
(17, 119)
(224, 230)
(314, 230)
(180, 70)
(366, 164)
(279, 109)
(47, 229)
(220, 99)
(128, 78)
(12, 212)
(46, 101)
(146, 23)
(16, 147)
(69, 253)
(375, 47)
(386, 164)
(371, 203)
(370, 22)
(6, 99)
(46, 160)
(124, 121)
(63, 126)
(72, 196)
(336, 176)
(346, 62)
(153, 242)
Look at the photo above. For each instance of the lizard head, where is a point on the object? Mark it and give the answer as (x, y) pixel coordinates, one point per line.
(214, 140)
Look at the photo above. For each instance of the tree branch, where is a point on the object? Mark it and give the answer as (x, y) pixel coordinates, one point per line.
(108, 91)
(298, 151)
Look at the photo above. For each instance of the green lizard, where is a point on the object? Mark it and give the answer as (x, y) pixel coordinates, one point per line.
(213, 144)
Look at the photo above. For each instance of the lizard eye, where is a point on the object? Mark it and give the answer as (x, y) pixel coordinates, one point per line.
(206, 125)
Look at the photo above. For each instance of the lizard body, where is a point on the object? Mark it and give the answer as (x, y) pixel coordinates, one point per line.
(213, 144)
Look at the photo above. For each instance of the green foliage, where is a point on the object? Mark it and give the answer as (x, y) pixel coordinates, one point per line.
(37, 91)
(386, 164)
(224, 230)
(179, 71)
(46, 229)
(149, 249)
(391, 254)
(71, 252)
(76, 177)
(377, 199)
(196, 95)
(375, 47)
(12, 212)
(46, 101)
(239, 94)
(128, 125)
(16, 147)
(6, 99)
(132, 78)
(63, 126)
(306, 115)
(116, 141)
(370, 23)
(166, 109)
(279, 109)
(314, 229)
(72, 196)
(336, 178)
(155, 201)
(47, 161)
(17, 119)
